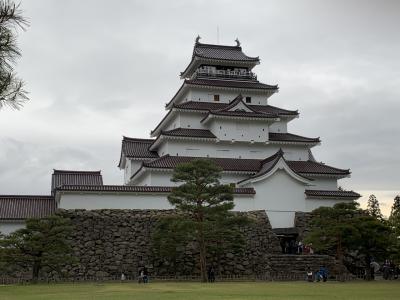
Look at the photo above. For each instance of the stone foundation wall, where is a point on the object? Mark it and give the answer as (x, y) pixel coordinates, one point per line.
(302, 223)
(109, 242)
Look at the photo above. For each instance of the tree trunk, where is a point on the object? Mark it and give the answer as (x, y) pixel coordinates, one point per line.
(203, 258)
(35, 270)
(339, 255)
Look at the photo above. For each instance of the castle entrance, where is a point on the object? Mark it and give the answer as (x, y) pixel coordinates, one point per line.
(288, 239)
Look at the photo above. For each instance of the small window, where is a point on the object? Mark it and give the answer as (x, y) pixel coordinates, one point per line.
(248, 99)
(216, 97)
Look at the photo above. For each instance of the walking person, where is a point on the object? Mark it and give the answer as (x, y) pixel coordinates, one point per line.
(211, 274)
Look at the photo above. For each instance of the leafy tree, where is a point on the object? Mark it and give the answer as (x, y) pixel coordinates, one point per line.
(12, 91)
(345, 229)
(203, 208)
(41, 245)
(373, 207)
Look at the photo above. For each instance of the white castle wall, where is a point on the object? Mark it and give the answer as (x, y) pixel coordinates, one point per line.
(6, 227)
(228, 130)
(312, 204)
(281, 196)
(201, 148)
(207, 95)
(113, 201)
(321, 183)
(280, 126)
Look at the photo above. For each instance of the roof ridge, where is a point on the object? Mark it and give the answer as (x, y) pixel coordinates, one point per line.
(198, 44)
(126, 138)
(55, 171)
(27, 196)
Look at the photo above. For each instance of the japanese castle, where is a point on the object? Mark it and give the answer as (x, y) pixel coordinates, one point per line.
(221, 112)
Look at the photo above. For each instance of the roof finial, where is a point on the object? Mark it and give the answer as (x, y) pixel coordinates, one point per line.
(237, 42)
(198, 38)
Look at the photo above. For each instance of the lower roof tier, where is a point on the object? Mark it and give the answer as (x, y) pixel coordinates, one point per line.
(251, 166)
(137, 148)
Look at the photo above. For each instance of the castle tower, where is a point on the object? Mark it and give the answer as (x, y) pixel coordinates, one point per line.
(222, 112)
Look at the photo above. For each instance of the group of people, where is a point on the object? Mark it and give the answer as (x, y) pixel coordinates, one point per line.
(320, 275)
(296, 247)
(142, 278)
(389, 269)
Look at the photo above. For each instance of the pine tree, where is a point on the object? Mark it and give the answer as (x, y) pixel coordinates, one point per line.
(12, 91)
(203, 208)
(41, 245)
(373, 207)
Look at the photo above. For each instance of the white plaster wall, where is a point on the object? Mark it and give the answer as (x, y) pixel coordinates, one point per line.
(312, 204)
(228, 178)
(143, 180)
(164, 149)
(201, 148)
(134, 201)
(207, 95)
(191, 120)
(281, 196)
(328, 184)
(6, 227)
(244, 203)
(239, 130)
(173, 123)
(161, 178)
(113, 201)
(131, 167)
(280, 126)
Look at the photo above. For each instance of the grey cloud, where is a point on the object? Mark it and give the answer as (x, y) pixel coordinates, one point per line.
(97, 71)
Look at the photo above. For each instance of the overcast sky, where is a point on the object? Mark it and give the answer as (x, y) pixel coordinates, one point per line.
(98, 70)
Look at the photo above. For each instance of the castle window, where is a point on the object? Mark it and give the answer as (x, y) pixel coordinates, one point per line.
(216, 97)
(248, 99)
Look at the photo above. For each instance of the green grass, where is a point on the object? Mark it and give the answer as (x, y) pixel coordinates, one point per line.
(196, 291)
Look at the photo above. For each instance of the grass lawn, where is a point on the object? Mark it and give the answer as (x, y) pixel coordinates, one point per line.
(192, 291)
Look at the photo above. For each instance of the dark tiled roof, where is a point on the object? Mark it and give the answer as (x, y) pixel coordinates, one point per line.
(19, 207)
(304, 168)
(194, 105)
(240, 113)
(274, 110)
(61, 177)
(310, 167)
(268, 164)
(136, 148)
(220, 52)
(289, 137)
(237, 108)
(133, 189)
(232, 84)
(227, 164)
(189, 132)
(332, 194)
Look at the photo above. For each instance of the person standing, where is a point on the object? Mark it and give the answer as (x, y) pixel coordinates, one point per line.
(211, 274)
